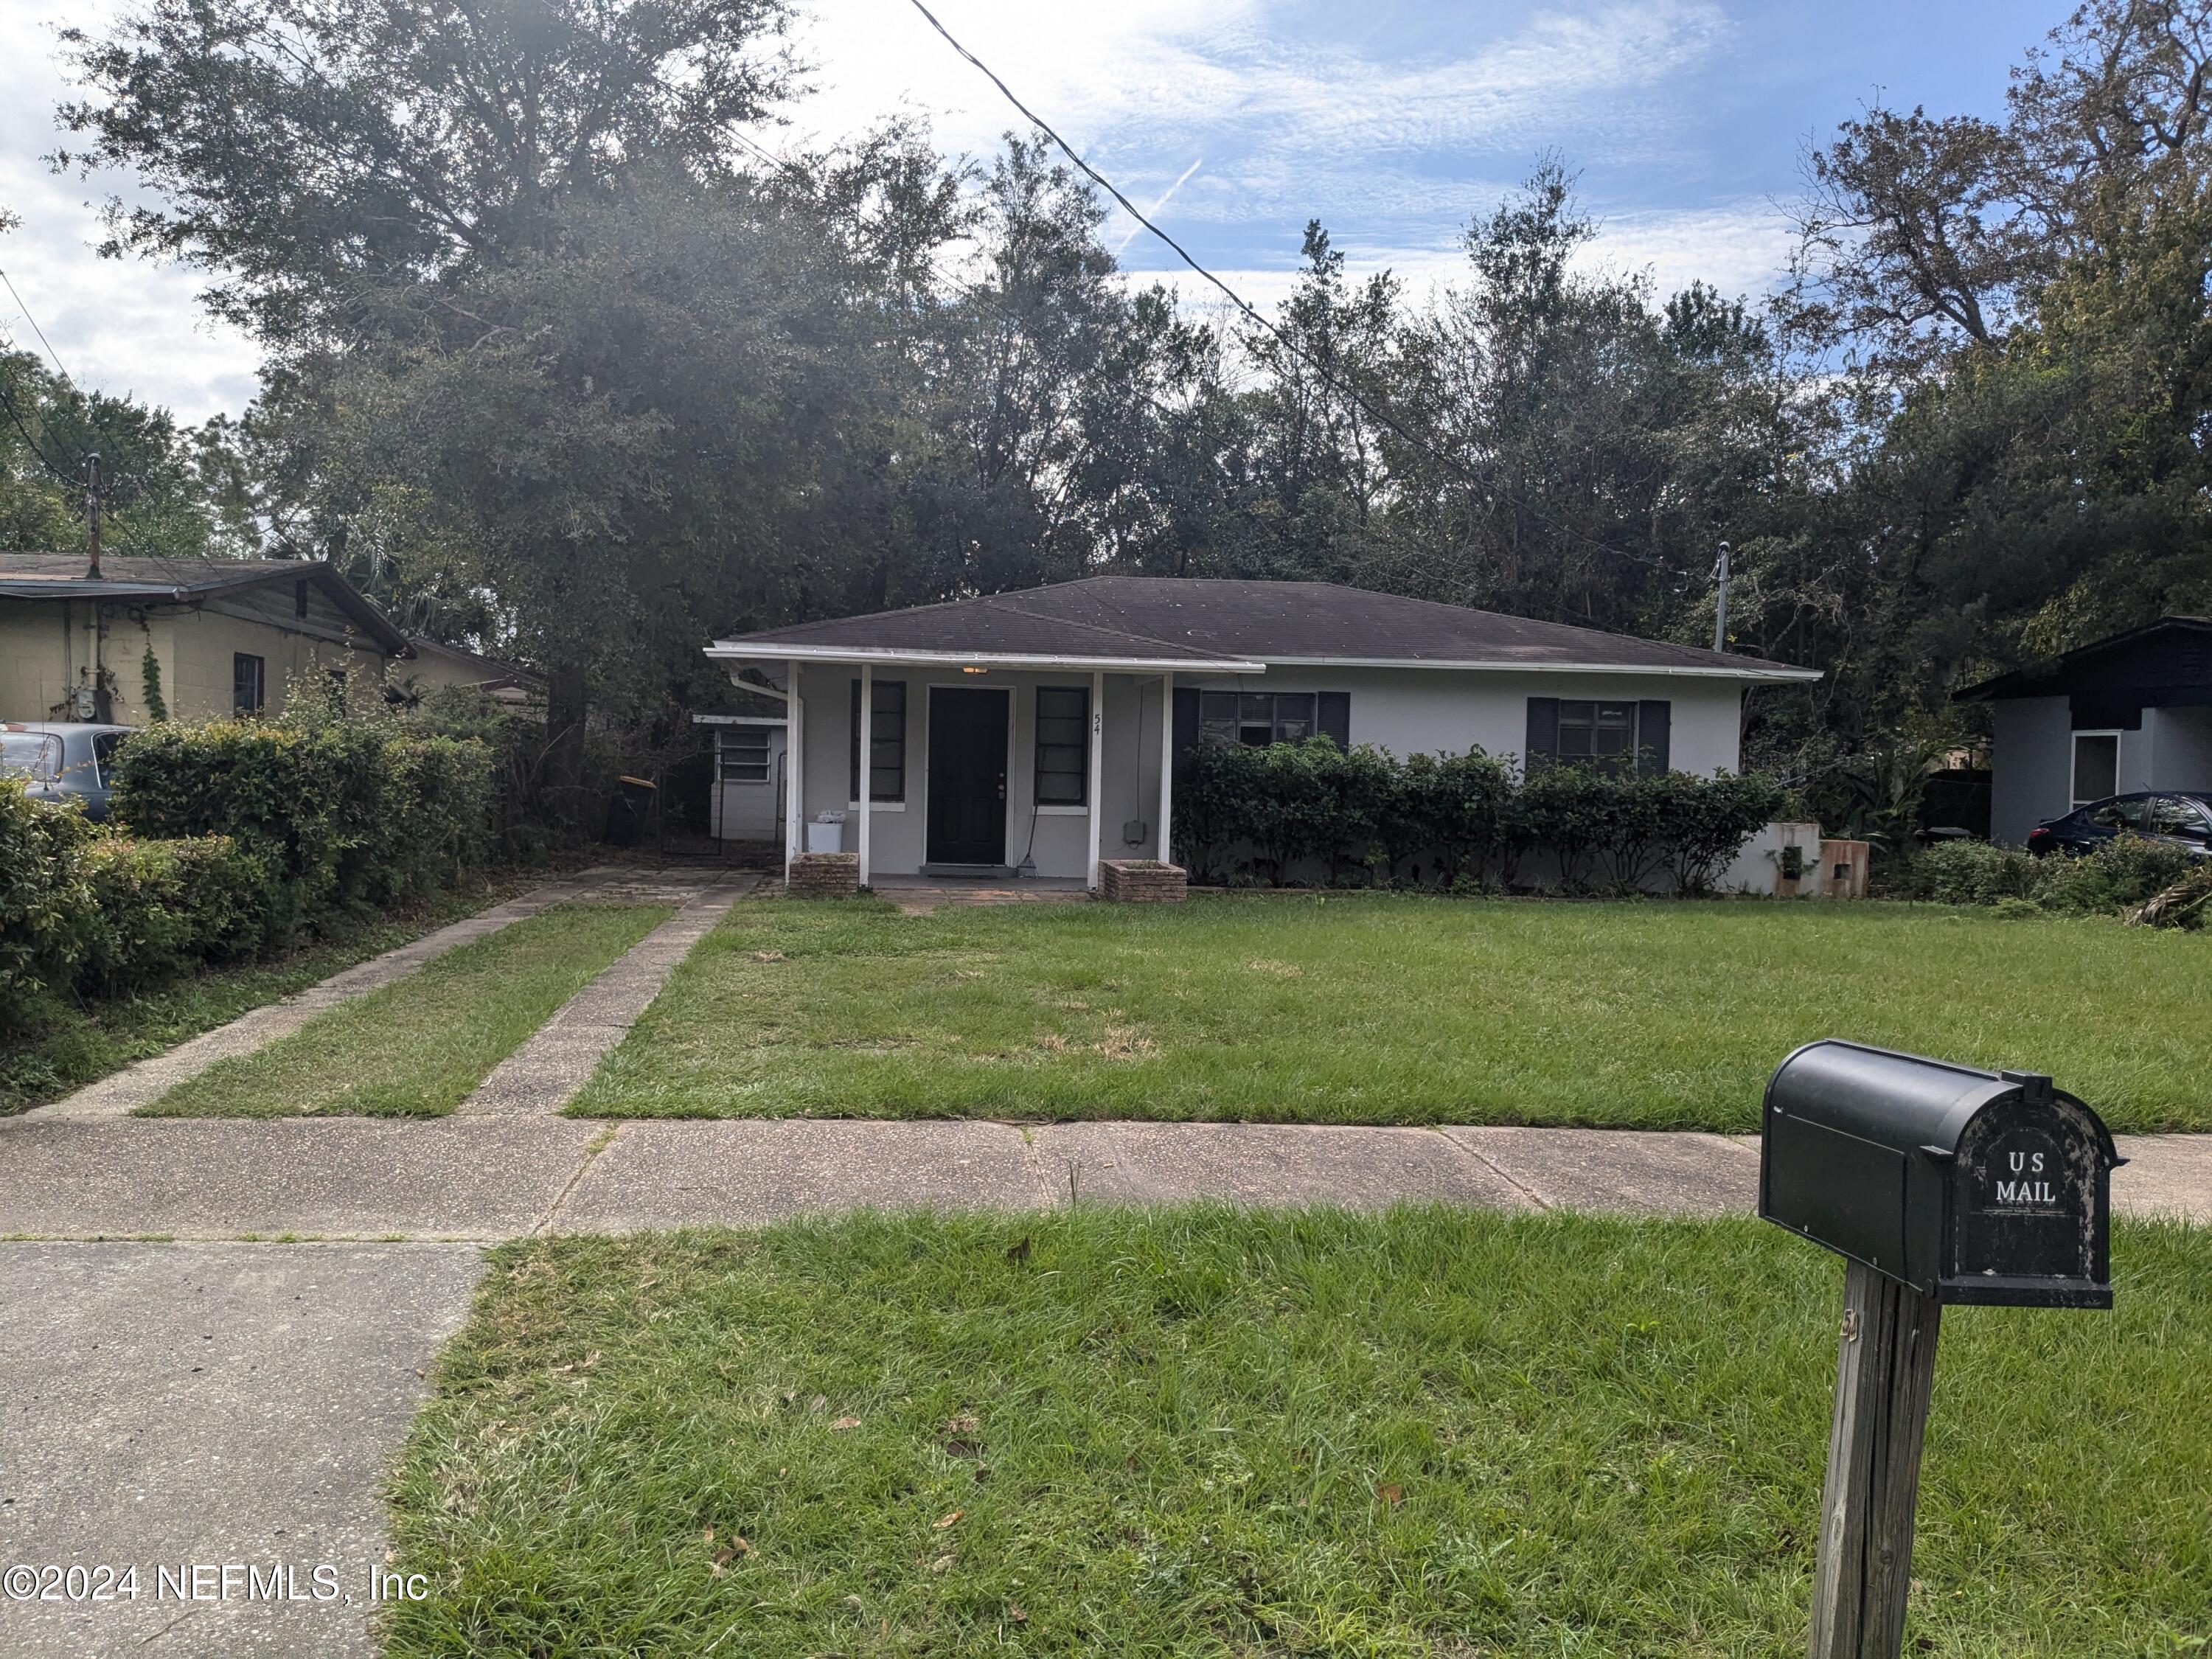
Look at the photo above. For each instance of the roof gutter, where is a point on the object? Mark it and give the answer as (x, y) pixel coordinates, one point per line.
(733, 651)
(1767, 672)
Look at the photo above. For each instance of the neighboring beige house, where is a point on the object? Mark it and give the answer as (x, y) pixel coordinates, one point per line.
(432, 666)
(226, 636)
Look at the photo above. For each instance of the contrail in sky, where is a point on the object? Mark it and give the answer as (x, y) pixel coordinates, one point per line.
(1154, 212)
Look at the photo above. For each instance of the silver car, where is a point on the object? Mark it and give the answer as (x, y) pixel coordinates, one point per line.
(63, 760)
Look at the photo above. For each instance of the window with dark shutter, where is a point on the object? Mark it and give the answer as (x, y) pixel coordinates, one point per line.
(1543, 743)
(1334, 714)
(887, 734)
(1063, 746)
(1613, 737)
(1654, 721)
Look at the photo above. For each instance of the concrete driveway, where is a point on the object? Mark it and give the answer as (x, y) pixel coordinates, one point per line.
(208, 1406)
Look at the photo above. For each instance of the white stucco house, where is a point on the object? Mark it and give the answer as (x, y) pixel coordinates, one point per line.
(1044, 724)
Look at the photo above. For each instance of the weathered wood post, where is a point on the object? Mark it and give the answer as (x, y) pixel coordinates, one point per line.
(1885, 1375)
(1936, 1183)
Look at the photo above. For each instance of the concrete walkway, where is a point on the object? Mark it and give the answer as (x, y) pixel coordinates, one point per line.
(510, 1175)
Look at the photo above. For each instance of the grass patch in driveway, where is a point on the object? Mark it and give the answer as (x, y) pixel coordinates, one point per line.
(1212, 1433)
(67, 1046)
(416, 1047)
(1393, 1009)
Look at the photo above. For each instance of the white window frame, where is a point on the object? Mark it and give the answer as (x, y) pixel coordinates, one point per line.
(2075, 801)
(767, 763)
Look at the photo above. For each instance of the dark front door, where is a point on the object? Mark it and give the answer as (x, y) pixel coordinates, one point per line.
(967, 776)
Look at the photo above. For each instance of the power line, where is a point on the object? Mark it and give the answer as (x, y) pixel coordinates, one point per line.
(35, 328)
(1350, 394)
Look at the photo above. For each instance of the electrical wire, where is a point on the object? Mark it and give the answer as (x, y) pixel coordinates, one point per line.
(35, 328)
(1349, 393)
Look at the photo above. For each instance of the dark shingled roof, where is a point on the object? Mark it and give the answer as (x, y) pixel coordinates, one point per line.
(181, 581)
(1200, 619)
(2172, 648)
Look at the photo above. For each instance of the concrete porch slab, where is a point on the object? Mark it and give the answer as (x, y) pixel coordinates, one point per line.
(482, 1178)
(740, 1174)
(1259, 1163)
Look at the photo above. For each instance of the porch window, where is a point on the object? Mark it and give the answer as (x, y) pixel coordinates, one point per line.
(887, 776)
(1255, 718)
(1063, 746)
(741, 755)
(248, 684)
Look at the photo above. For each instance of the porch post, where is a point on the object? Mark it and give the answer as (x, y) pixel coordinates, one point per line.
(1098, 741)
(1167, 762)
(793, 797)
(867, 761)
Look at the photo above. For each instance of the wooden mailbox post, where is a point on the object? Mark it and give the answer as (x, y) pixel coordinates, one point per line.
(1937, 1183)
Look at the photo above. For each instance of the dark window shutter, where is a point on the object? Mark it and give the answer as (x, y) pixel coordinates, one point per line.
(853, 784)
(1543, 730)
(1333, 718)
(1185, 722)
(1654, 721)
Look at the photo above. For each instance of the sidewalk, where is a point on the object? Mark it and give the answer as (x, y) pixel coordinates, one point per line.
(505, 1176)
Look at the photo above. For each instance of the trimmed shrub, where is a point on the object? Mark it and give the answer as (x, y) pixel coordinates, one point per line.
(1243, 810)
(46, 899)
(161, 907)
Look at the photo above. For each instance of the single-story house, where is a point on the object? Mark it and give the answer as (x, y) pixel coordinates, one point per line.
(432, 666)
(2128, 712)
(1044, 724)
(224, 635)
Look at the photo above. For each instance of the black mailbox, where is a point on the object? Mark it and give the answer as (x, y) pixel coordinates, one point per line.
(1969, 1186)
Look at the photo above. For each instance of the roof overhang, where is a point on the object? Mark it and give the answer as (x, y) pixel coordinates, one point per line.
(853, 656)
(1754, 672)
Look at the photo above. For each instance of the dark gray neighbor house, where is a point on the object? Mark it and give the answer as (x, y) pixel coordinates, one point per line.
(2130, 713)
(1045, 723)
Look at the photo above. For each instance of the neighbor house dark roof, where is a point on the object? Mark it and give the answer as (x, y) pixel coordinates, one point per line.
(2173, 651)
(182, 581)
(1172, 621)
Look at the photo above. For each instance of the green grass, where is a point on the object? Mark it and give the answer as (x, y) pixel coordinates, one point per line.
(418, 1045)
(67, 1048)
(1201, 1432)
(1388, 1009)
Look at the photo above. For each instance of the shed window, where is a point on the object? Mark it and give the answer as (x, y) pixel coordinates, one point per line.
(248, 684)
(1063, 746)
(887, 776)
(2096, 765)
(741, 755)
(1256, 719)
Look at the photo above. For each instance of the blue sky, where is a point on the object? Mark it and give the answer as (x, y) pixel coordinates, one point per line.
(1392, 122)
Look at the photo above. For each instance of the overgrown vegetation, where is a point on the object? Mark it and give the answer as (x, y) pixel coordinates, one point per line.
(1392, 1008)
(1468, 822)
(415, 1048)
(1214, 1433)
(2120, 875)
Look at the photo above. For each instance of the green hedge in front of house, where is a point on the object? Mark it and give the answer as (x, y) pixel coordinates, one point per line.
(228, 839)
(2119, 875)
(1367, 817)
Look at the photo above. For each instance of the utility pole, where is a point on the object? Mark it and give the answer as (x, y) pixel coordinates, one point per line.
(92, 510)
(1720, 607)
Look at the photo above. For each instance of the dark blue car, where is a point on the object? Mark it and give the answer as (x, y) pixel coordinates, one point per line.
(2181, 817)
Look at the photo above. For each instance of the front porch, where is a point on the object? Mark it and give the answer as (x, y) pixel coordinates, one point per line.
(1002, 774)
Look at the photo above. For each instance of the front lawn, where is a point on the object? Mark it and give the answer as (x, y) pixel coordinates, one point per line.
(1202, 1432)
(1392, 1009)
(416, 1047)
